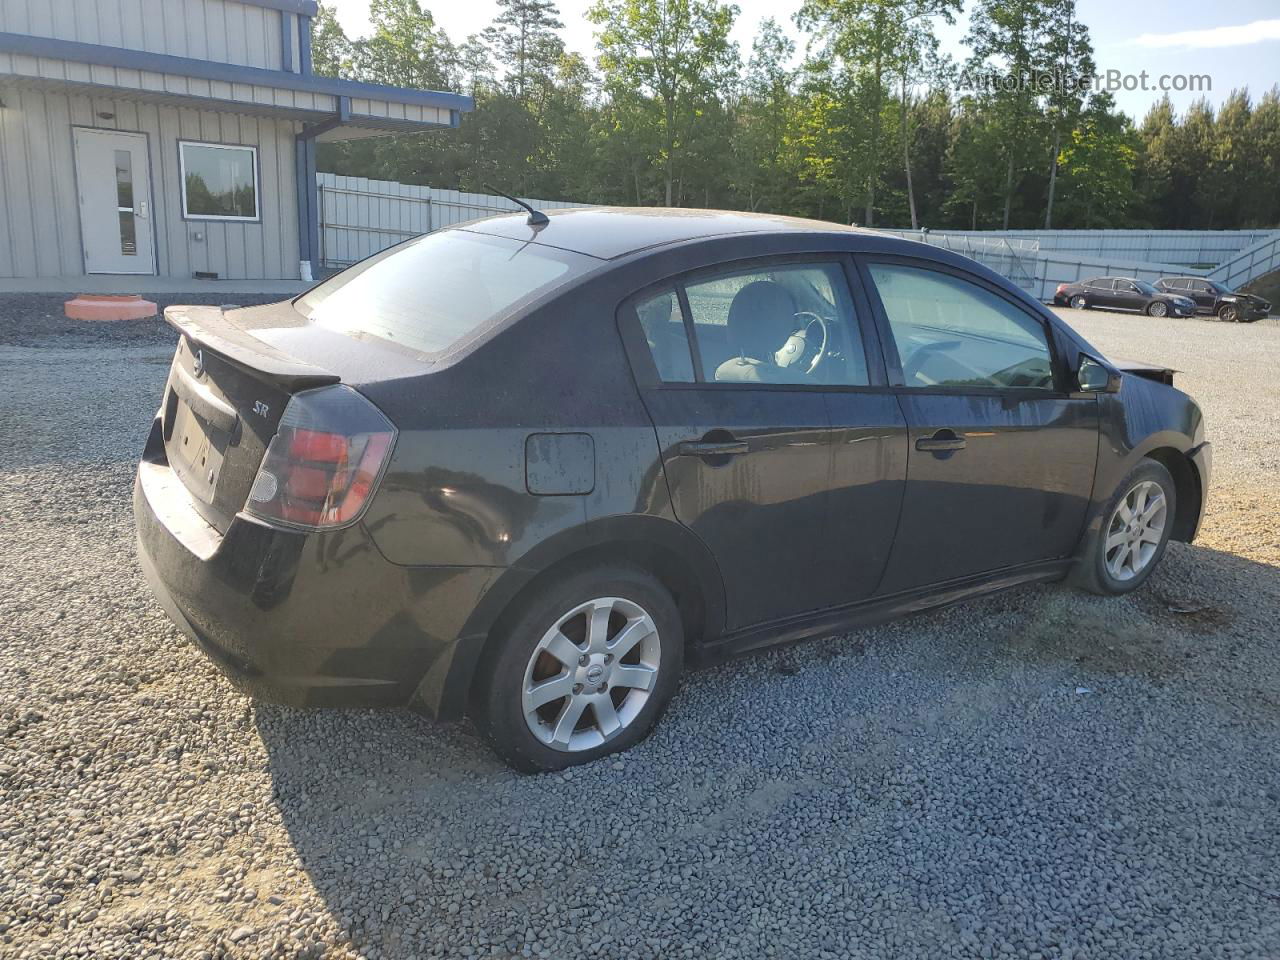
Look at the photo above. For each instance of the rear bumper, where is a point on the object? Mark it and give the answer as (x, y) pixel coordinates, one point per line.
(302, 619)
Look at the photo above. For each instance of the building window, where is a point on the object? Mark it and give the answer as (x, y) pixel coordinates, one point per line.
(219, 182)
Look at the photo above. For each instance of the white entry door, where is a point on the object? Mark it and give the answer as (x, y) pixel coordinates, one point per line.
(114, 179)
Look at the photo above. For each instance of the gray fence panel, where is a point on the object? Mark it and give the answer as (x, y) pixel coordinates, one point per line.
(359, 217)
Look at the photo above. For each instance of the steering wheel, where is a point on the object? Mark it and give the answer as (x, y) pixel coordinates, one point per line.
(798, 344)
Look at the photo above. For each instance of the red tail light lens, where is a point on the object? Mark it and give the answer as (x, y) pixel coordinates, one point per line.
(1061, 287)
(323, 465)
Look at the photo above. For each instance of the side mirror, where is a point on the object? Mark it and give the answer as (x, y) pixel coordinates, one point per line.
(1093, 377)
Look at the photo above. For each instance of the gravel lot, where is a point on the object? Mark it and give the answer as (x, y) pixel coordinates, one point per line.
(1040, 774)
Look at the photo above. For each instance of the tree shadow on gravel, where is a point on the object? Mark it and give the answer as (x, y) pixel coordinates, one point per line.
(420, 841)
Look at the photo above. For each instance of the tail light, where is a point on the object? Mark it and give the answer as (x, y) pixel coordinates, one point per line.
(321, 468)
(1061, 287)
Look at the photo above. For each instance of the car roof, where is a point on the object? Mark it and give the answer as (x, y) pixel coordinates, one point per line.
(611, 232)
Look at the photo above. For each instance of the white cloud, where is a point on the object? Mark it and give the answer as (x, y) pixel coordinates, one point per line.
(1246, 33)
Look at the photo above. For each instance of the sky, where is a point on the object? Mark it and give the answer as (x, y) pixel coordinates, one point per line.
(1235, 43)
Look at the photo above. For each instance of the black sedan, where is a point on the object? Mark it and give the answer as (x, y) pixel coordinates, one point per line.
(1216, 299)
(1123, 293)
(526, 470)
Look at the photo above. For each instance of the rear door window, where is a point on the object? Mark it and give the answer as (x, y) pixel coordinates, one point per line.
(439, 289)
(787, 323)
(953, 333)
(664, 332)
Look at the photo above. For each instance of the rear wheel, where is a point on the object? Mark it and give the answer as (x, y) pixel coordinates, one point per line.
(1135, 530)
(1078, 302)
(1229, 313)
(582, 670)
(1157, 308)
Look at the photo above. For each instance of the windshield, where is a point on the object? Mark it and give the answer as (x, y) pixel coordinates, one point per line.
(1218, 287)
(435, 290)
(1146, 288)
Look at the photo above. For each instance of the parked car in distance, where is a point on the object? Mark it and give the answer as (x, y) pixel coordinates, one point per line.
(526, 471)
(1123, 293)
(1216, 299)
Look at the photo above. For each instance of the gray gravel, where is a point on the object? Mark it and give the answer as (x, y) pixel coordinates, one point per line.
(1040, 774)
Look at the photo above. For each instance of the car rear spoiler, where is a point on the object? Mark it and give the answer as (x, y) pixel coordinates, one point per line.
(212, 329)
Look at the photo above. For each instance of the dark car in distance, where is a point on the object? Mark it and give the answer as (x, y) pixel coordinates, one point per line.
(527, 471)
(1217, 299)
(1123, 293)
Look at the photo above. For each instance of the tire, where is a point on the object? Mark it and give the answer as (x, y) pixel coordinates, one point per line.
(1157, 308)
(1095, 569)
(522, 658)
(1228, 313)
(1078, 302)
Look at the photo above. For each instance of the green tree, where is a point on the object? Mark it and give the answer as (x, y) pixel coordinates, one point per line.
(874, 40)
(760, 172)
(1069, 51)
(675, 51)
(1264, 140)
(1019, 48)
(523, 37)
(331, 49)
(1098, 163)
(406, 48)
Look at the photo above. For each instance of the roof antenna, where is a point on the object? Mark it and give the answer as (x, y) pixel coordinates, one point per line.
(536, 217)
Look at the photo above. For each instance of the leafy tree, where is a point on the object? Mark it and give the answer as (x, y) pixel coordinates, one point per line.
(523, 37)
(406, 49)
(872, 124)
(873, 40)
(1098, 163)
(677, 52)
(1068, 49)
(1017, 47)
(1264, 144)
(761, 172)
(331, 49)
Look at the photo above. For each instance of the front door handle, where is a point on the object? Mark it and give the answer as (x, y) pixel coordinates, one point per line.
(713, 448)
(940, 441)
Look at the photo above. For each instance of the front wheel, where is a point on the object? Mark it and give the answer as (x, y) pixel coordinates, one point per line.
(1157, 308)
(583, 669)
(1135, 529)
(1229, 313)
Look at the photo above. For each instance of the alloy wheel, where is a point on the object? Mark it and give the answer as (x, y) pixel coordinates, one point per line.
(1158, 309)
(591, 674)
(1230, 315)
(1135, 530)
(1078, 302)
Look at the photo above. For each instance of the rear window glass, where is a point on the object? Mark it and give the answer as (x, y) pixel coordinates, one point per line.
(438, 289)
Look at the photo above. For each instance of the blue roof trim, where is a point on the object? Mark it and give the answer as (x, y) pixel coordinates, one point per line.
(306, 8)
(104, 56)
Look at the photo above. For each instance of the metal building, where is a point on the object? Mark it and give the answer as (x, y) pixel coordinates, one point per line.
(174, 137)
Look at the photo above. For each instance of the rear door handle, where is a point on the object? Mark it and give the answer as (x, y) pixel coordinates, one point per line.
(713, 448)
(942, 440)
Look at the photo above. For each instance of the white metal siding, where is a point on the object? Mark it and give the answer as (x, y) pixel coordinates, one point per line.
(220, 30)
(145, 81)
(39, 209)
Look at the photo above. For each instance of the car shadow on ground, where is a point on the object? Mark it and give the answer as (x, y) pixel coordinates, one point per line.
(463, 852)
